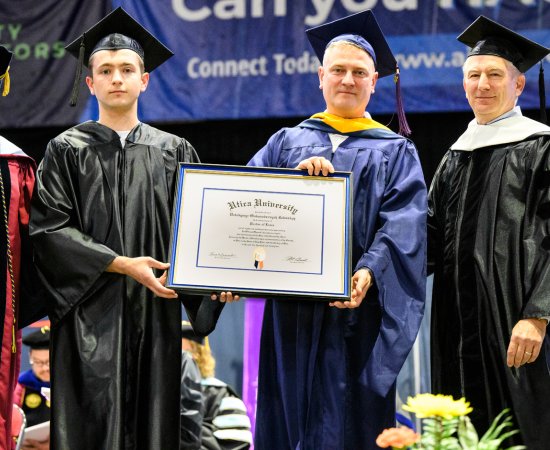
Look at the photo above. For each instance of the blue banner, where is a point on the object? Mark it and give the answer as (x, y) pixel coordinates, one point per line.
(239, 59)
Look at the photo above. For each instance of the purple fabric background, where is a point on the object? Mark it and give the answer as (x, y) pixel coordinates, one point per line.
(253, 317)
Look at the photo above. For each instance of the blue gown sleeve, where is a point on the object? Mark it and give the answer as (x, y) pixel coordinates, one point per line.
(397, 259)
(269, 154)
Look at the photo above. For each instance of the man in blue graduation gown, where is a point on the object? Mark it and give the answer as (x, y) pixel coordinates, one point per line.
(489, 244)
(327, 371)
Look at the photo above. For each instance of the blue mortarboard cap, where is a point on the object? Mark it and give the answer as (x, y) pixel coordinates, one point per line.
(487, 37)
(359, 41)
(363, 30)
(116, 31)
(5, 59)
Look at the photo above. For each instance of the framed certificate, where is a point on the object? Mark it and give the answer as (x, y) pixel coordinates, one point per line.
(261, 232)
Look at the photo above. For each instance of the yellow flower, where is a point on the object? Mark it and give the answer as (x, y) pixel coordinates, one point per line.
(429, 405)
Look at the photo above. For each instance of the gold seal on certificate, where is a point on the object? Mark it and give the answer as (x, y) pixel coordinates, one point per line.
(261, 232)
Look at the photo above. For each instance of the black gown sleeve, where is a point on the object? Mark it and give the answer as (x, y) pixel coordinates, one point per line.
(203, 313)
(536, 240)
(69, 261)
(435, 195)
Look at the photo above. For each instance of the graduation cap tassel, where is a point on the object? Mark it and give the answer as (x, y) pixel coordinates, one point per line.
(542, 95)
(6, 78)
(76, 84)
(404, 129)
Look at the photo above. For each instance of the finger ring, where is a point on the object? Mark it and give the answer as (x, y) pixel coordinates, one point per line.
(528, 353)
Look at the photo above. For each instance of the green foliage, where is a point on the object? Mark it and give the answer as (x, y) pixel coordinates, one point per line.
(438, 434)
(446, 426)
(496, 434)
(467, 434)
(458, 433)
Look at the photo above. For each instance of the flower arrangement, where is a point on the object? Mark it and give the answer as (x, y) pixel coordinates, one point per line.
(446, 426)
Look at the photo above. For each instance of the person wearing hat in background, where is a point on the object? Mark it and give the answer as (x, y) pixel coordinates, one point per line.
(19, 288)
(225, 424)
(327, 373)
(489, 244)
(100, 223)
(28, 393)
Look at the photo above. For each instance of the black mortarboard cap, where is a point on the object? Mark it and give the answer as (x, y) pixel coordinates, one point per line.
(116, 31)
(363, 30)
(187, 332)
(487, 37)
(39, 339)
(5, 59)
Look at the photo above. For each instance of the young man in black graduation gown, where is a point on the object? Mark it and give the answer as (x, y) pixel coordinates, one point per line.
(489, 234)
(101, 226)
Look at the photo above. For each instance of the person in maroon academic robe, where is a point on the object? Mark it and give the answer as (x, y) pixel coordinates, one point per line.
(100, 223)
(16, 286)
(17, 182)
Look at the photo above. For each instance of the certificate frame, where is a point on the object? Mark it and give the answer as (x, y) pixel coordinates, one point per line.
(261, 232)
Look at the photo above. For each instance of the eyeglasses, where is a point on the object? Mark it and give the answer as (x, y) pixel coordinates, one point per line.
(36, 363)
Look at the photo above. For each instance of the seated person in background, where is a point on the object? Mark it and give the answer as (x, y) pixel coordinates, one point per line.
(225, 425)
(191, 400)
(28, 393)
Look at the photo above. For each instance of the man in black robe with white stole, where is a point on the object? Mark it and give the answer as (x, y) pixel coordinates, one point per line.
(101, 225)
(489, 245)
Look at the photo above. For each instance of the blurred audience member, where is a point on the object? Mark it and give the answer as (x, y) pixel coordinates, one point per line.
(225, 425)
(191, 402)
(28, 392)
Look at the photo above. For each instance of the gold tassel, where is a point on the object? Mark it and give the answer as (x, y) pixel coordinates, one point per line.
(13, 343)
(9, 256)
(6, 78)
